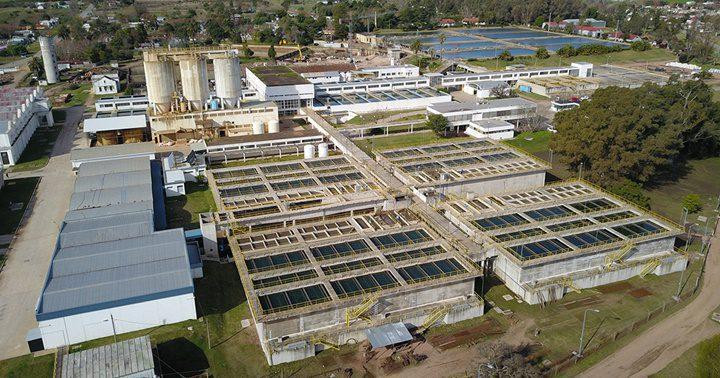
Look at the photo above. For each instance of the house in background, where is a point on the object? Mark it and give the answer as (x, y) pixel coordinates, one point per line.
(104, 84)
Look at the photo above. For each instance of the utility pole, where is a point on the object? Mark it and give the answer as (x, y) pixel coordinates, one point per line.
(582, 332)
(112, 320)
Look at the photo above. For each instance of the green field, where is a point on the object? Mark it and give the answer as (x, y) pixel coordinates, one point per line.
(37, 153)
(620, 57)
(79, 95)
(182, 211)
(14, 191)
(28, 366)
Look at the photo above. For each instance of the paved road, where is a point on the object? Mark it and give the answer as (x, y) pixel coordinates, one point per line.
(23, 276)
(667, 340)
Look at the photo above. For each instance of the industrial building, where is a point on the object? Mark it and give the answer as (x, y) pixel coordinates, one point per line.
(106, 84)
(326, 255)
(193, 114)
(49, 57)
(22, 111)
(558, 86)
(578, 69)
(461, 114)
(121, 103)
(491, 128)
(547, 241)
(115, 269)
(280, 84)
(125, 126)
(477, 165)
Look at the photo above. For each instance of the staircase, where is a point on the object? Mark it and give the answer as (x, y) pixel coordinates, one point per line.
(433, 318)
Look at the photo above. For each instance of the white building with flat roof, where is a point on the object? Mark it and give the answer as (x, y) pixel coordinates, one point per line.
(491, 128)
(461, 114)
(280, 84)
(392, 72)
(22, 111)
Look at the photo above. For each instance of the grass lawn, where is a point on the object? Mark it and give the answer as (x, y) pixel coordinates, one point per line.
(182, 211)
(79, 95)
(28, 366)
(37, 152)
(14, 191)
(374, 117)
(683, 366)
(620, 57)
(400, 141)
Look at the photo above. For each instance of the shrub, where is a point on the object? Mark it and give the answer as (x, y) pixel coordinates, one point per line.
(506, 56)
(542, 53)
(640, 45)
(692, 203)
(566, 51)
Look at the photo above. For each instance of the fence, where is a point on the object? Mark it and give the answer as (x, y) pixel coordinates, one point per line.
(570, 360)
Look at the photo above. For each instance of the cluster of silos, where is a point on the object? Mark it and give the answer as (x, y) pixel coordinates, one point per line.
(160, 81)
(47, 51)
(309, 150)
(258, 127)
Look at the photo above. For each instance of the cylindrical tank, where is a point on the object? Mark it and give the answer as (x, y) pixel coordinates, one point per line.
(323, 150)
(273, 126)
(257, 127)
(195, 86)
(214, 105)
(160, 82)
(309, 151)
(228, 84)
(47, 51)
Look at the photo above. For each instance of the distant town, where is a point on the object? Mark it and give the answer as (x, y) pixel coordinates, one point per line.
(335, 188)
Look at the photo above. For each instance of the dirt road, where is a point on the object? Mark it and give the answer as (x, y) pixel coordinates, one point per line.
(667, 340)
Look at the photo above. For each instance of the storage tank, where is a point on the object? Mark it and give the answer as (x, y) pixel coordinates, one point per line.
(47, 51)
(228, 84)
(257, 127)
(195, 86)
(160, 82)
(273, 126)
(323, 150)
(309, 151)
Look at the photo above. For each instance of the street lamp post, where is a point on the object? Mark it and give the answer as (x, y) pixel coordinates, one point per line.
(582, 332)
(581, 169)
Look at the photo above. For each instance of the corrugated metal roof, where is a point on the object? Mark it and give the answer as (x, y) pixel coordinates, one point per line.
(127, 358)
(111, 196)
(388, 334)
(106, 167)
(104, 229)
(91, 277)
(114, 151)
(108, 253)
(114, 180)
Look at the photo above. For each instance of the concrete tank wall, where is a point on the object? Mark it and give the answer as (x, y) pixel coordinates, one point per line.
(194, 78)
(47, 51)
(160, 82)
(228, 85)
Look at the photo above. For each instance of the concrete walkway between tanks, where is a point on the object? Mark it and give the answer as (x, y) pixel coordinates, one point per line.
(664, 342)
(24, 273)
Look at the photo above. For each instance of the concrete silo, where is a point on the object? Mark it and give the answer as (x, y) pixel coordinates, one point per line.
(47, 51)
(194, 78)
(228, 84)
(160, 82)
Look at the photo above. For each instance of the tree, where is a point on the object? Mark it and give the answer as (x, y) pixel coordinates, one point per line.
(692, 203)
(415, 46)
(566, 51)
(506, 56)
(640, 45)
(632, 192)
(503, 360)
(441, 38)
(438, 124)
(639, 134)
(271, 53)
(542, 53)
(36, 66)
(247, 52)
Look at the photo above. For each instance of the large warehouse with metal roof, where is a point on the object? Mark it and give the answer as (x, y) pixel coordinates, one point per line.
(113, 270)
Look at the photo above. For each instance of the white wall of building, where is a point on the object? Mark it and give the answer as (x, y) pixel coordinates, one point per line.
(96, 324)
(105, 85)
